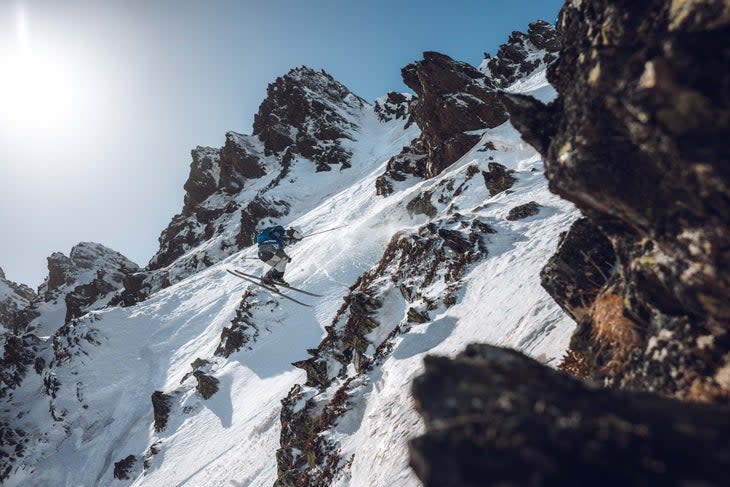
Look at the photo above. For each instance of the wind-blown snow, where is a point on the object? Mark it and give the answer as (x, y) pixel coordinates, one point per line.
(231, 438)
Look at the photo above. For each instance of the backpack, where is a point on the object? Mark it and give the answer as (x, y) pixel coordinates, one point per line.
(269, 234)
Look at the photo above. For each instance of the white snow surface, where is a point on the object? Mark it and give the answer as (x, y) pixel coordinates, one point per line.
(231, 439)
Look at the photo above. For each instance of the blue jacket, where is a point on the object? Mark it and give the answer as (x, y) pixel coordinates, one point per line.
(275, 235)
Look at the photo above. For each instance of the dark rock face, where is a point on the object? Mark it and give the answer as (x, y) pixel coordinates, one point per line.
(639, 140)
(498, 178)
(85, 295)
(312, 125)
(523, 211)
(161, 404)
(224, 171)
(411, 160)
(91, 272)
(60, 271)
(19, 356)
(13, 443)
(15, 304)
(242, 330)
(394, 106)
(239, 162)
(421, 205)
(579, 269)
(496, 417)
(452, 98)
(523, 54)
(123, 467)
(202, 181)
(207, 385)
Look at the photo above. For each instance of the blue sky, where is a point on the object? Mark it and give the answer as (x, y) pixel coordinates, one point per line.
(146, 81)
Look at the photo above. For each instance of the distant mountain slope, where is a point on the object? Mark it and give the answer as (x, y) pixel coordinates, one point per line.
(204, 379)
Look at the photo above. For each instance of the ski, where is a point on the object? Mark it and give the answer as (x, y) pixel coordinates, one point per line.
(251, 276)
(258, 282)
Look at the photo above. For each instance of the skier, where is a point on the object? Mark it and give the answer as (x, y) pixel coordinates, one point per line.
(272, 241)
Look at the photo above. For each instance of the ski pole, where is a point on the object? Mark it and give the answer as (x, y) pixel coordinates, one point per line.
(323, 231)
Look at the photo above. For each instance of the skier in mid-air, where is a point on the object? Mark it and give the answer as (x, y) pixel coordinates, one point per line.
(271, 242)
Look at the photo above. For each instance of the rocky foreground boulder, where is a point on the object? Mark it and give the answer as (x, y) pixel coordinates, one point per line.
(497, 417)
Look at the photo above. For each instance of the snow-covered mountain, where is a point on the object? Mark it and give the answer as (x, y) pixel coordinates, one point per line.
(191, 376)
(14, 298)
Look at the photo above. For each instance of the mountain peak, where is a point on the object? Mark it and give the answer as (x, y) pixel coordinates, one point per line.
(453, 100)
(523, 54)
(310, 112)
(82, 265)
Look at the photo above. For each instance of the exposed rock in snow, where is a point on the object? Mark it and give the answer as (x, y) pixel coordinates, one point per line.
(498, 178)
(393, 106)
(453, 98)
(523, 54)
(90, 275)
(524, 211)
(310, 112)
(14, 300)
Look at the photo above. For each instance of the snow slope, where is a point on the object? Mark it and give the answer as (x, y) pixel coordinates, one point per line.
(109, 363)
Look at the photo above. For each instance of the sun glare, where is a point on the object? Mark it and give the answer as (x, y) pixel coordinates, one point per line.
(36, 89)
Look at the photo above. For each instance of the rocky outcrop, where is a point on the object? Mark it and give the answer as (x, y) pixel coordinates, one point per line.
(523, 54)
(419, 271)
(498, 178)
(207, 385)
(394, 106)
(496, 417)
(303, 111)
(453, 98)
(123, 468)
(89, 275)
(242, 330)
(19, 348)
(15, 302)
(85, 260)
(161, 404)
(638, 140)
(221, 171)
(521, 212)
(13, 444)
(19, 356)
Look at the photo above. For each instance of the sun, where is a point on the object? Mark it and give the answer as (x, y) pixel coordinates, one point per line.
(36, 89)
